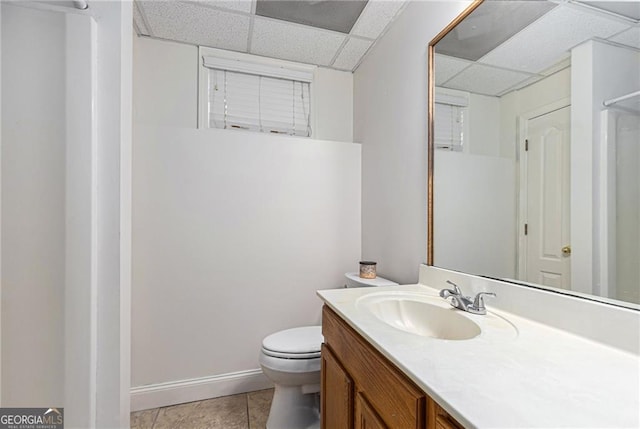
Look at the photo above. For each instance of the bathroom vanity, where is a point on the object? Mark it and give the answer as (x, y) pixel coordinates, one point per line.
(361, 386)
(392, 358)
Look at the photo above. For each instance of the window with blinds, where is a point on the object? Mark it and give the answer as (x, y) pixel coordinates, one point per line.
(259, 103)
(449, 127)
(449, 121)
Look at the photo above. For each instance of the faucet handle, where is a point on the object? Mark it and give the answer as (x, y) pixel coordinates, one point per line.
(456, 289)
(478, 303)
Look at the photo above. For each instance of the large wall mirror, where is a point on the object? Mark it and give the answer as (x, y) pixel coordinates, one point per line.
(534, 163)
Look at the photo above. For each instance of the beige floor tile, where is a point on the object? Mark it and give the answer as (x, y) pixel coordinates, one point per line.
(227, 412)
(175, 417)
(245, 411)
(143, 419)
(259, 404)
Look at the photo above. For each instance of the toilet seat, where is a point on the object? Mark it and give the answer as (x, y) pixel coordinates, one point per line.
(282, 355)
(295, 343)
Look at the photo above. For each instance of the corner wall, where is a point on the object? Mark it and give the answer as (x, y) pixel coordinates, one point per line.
(390, 120)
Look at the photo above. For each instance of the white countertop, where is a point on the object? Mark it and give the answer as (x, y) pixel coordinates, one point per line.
(533, 376)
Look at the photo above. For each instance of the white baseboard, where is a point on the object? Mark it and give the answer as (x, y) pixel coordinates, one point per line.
(197, 389)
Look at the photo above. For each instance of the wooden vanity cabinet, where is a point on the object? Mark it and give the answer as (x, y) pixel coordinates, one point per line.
(336, 410)
(361, 389)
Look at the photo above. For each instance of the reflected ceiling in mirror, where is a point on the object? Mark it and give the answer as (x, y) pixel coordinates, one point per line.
(489, 26)
(540, 103)
(535, 40)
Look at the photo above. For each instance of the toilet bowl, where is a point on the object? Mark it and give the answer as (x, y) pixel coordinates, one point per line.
(291, 359)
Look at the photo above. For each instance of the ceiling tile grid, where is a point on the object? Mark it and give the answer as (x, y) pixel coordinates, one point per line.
(190, 23)
(234, 25)
(351, 53)
(486, 80)
(238, 5)
(630, 37)
(375, 17)
(551, 38)
(447, 67)
(521, 84)
(276, 39)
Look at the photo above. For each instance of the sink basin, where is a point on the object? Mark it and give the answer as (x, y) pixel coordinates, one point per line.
(420, 315)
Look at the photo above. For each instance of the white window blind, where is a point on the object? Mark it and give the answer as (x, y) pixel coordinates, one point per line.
(259, 103)
(449, 116)
(449, 126)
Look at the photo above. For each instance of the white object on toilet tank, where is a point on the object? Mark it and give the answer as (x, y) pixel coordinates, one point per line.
(354, 280)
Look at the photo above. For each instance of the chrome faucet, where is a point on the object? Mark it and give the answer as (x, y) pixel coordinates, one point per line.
(465, 303)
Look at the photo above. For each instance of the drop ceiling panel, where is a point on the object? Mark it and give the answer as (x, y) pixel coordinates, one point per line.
(628, 9)
(486, 80)
(631, 37)
(238, 6)
(278, 39)
(334, 15)
(234, 25)
(489, 26)
(375, 17)
(551, 38)
(198, 25)
(447, 67)
(351, 53)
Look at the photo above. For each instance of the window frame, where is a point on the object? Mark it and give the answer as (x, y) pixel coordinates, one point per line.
(247, 63)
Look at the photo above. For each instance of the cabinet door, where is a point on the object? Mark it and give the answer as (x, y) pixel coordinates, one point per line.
(397, 400)
(336, 396)
(365, 416)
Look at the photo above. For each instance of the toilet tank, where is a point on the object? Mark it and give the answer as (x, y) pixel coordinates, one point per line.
(354, 280)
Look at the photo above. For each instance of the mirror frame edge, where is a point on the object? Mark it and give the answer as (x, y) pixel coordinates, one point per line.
(431, 85)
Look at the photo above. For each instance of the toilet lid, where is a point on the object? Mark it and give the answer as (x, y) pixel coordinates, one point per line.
(301, 342)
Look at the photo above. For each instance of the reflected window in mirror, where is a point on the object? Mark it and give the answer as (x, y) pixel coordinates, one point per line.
(451, 111)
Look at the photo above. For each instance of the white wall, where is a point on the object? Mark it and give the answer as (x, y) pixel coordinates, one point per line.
(333, 102)
(33, 212)
(165, 80)
(166, 90)
(627, 238)
(234, 232)
(484, 125)
(1, 206)
(483, 187)
(390, 120)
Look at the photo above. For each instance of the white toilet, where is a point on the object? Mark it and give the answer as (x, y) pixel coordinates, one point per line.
(291, 359)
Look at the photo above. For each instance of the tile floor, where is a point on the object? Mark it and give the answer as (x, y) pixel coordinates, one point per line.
(244, 411)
